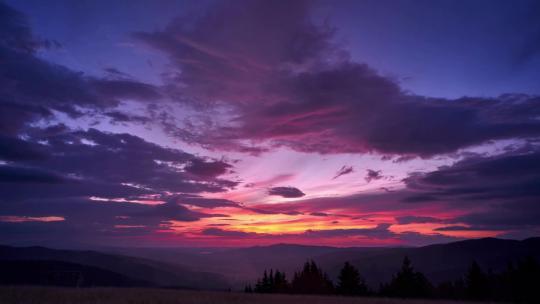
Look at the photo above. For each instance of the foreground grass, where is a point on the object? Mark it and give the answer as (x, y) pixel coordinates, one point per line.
(52, 295)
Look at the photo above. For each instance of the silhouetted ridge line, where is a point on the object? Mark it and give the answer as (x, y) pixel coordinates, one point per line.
(518, 283)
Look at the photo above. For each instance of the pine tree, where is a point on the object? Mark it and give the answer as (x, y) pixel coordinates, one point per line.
(263, 286)
(408, 283)
(350, 282)
(477, 284)
(280, 283)
(311, 280)
(272, 282)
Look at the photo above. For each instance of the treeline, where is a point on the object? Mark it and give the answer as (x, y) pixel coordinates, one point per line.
(517, 283)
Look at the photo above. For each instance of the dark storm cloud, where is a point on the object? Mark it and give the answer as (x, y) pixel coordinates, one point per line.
(501, 177)
(288, 84)
(16, 149)
(31, 87)
(78, 171)
(505, 187)
(88, 222)
(15, 192)
(110, 213)
(287, 192)
(13, 174)
(98, 162)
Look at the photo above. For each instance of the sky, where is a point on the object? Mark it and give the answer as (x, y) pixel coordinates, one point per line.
(241, 123)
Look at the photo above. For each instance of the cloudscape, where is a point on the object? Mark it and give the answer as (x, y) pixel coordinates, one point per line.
(240, 123)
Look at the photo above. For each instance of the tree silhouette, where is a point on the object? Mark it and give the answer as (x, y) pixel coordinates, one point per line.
(520, 283)
(280, 284)
(349, 281)
(528, 281)
(408, 283)
(477, 283)
(272, 283)
(517, 284)
(263, 285)
(311, 280)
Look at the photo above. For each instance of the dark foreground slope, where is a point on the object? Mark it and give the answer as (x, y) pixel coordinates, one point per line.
(136, 270)
(56, 273)
(17, 295)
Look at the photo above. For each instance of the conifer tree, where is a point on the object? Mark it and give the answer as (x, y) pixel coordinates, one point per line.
(408, 283)
(477, 284)
(311, 280)
(350, 282)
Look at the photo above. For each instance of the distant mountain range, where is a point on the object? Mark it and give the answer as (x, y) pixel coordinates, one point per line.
(138, 271)
(219, 268)
(56, 273)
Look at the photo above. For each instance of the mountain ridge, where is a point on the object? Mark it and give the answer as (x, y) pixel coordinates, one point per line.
(234, 267)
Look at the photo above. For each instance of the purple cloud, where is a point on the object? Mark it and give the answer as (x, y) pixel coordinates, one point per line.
(412, 219)
(291, 85)
(287, 192)
(207, 169)
(380, 232)
(344, 170)
(200, 201)
(372, 175)
(35, 89)
(89, 221)
(227, 233)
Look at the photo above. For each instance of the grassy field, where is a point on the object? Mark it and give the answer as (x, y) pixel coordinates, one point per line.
(34, 295)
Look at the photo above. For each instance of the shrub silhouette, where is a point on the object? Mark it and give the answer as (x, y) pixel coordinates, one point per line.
(350, 282)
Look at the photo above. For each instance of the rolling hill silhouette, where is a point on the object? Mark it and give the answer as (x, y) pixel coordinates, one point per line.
(136, 269)
(219, 268)
(56, 273)
(439, 262)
